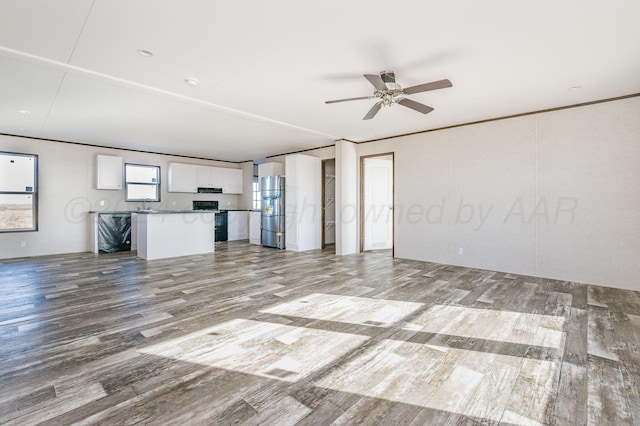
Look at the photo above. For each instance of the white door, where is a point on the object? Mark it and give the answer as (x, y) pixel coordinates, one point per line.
(378, 203)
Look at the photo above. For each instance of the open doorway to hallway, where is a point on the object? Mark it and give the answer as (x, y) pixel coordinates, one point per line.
(376, 202)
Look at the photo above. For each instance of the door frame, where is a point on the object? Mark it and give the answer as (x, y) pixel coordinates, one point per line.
(324, 183)
(393, 199)
(323, 200)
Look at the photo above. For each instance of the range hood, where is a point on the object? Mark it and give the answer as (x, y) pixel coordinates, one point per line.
(209, 190)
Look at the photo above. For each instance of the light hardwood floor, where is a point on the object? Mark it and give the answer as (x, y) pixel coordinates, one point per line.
(251, 335)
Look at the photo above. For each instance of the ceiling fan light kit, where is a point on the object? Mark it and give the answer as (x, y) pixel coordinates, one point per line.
(389, 92)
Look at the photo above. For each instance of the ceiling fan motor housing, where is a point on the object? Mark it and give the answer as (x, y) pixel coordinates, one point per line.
(389, 79)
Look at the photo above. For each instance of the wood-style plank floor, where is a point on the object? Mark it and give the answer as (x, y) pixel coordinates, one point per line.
(251, 335)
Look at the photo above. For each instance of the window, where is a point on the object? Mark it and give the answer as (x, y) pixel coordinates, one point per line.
(142, 182)
(18, 192)
(257, 197)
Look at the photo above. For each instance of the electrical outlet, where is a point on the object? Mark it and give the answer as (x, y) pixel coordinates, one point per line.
(102, 202)
(460, 251)
(23, 243)
(173, 203)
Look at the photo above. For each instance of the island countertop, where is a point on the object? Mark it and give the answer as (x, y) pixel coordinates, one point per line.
(152, 211)
(173, 211)
(165, 234)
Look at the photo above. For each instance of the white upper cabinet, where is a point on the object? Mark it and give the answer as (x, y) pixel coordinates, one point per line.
(189, 177)
(269, 169)
(232, 182)
(210, 177)
(109, 172)
(182, 178)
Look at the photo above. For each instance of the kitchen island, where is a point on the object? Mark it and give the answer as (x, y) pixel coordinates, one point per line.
(168, 233)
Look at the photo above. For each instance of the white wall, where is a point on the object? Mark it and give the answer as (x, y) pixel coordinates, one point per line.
(346, 198)
(321, 153)
(552, 194)
(303, 200)
(66, 177)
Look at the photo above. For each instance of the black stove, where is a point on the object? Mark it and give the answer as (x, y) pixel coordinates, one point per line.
(205, 205)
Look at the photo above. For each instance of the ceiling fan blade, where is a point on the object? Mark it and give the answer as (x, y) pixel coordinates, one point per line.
(434, 85)
(376, 80)
(425, 109)
(373, 111)
(349, 99)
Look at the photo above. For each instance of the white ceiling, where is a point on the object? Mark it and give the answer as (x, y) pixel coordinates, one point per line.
(266, 68)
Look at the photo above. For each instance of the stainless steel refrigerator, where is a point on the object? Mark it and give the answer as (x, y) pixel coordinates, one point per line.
(272, 223)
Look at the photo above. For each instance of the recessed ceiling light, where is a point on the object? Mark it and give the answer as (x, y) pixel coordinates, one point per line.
(575, 88)
(145, 53)
(24, 111)
(192, 81)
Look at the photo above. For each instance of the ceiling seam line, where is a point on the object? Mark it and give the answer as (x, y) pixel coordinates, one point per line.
(53, 101)
(73, 69)
(84, 24)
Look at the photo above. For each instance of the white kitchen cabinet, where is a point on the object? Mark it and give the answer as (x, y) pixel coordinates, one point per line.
(182, 178)
(190, 177)
(209, 177)
(109, 172)
(232, 181)
(254, 227)
(238, 225)
(269, 169)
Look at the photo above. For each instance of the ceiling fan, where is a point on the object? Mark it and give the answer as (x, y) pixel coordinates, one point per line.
(389, 92)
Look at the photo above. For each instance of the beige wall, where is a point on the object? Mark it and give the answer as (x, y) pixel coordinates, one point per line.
(66, 177)
(552, 194)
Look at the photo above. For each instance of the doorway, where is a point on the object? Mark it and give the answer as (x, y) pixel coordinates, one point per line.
(376, 201)
(328, 203)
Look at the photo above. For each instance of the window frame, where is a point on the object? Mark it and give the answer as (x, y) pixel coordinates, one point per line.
(33, 193)
(256, 201)
(256, 195)
(156, 184)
